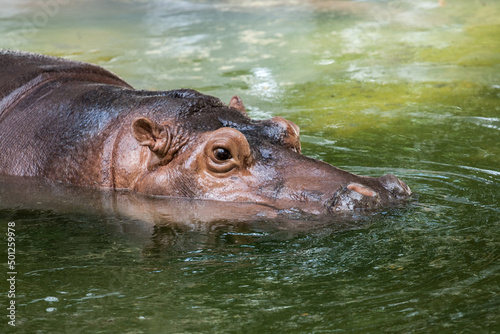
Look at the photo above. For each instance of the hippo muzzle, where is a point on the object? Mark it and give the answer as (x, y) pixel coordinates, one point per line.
(356, 196)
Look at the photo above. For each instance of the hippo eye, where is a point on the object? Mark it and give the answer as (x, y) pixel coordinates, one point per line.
(227, 150)
(222, 154)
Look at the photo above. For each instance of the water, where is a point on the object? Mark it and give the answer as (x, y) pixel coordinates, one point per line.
(406, 87)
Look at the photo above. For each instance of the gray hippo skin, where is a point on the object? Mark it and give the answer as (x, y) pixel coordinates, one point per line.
(77, 123)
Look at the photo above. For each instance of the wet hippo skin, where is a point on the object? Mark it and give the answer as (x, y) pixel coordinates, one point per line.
(78, 123)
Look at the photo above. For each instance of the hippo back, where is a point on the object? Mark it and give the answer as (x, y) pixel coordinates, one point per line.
(38, 120)
(21, 72)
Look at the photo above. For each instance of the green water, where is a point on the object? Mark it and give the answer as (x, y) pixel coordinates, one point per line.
(405, 87)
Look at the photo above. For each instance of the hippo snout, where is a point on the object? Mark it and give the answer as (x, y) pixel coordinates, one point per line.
(395, 186)
(383, 191)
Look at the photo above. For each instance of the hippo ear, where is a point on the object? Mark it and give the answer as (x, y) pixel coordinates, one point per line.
(155, 136)
(163, 140)
(290, 135)
(146, 132)
(237, 103)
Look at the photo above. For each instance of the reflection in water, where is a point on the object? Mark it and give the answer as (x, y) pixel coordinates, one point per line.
(168, 223)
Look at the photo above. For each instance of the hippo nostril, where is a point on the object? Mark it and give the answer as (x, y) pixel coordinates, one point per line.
(389, 178)
(395, 186)
(361, 189)
(404, 186)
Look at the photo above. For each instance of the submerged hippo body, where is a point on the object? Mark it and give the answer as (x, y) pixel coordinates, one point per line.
(78, 123)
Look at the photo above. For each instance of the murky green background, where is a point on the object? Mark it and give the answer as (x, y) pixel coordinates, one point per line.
(406, 87)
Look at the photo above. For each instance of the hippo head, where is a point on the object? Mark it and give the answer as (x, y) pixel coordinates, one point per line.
(216, 152)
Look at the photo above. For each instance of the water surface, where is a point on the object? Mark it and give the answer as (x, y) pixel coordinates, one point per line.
(403, 87)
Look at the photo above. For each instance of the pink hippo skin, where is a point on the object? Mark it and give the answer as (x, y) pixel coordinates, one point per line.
(77, 123)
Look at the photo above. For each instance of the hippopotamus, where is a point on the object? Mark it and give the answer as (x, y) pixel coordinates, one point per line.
(77, 123)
